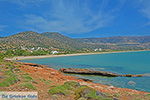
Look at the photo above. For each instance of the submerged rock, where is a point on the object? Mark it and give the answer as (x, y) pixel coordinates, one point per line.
(131, 83)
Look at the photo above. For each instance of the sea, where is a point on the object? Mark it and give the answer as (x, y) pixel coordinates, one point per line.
(137, 62)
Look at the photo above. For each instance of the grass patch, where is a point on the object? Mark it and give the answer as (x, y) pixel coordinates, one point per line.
(27, 78)
(147, 94)
(28, 85)
(87, 92)
(10, 79)
(63, 89)
(46, 81)
(78, 90)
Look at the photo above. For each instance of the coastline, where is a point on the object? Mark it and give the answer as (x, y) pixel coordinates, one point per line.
(63, 55)
(43, 72)
(56, 76)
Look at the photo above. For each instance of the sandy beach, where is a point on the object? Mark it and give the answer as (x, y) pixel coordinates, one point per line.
(63, 55)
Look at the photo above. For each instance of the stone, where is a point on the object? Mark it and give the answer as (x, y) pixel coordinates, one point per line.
(131, 83)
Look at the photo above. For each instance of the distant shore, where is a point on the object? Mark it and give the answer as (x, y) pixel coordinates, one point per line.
(63, 55)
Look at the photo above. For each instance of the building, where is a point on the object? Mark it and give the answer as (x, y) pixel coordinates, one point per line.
(98, 49)
(54, 52)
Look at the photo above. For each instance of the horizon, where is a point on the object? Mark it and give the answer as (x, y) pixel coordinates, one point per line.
(76, 18)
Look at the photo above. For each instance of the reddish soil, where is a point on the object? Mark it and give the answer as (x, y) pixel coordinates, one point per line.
(38, 72)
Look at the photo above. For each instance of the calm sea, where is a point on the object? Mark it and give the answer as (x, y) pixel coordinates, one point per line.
(121, 63)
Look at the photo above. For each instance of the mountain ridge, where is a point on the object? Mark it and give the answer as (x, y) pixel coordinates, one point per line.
(119, 38)
(55, 40)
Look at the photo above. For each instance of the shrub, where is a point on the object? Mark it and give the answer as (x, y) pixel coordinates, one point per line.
(28, 85)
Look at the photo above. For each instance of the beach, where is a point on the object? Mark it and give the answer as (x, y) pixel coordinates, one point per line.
(63, 55)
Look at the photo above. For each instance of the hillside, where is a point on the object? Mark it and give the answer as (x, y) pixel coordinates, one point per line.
(130, 42)
(32, 39)
(55, 41)
(73, 43)
(47, 40)
(117, 40)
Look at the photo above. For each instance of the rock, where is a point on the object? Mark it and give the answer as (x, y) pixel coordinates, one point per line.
(131, 83)
(34, 65)
(111, 87)
(93, 72)
(53, 73)
(1, 77)
(130, 75)
(115, 99)
(88, 72)
(100, 94)
(87, 80)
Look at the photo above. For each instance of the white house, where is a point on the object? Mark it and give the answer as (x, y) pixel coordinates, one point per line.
(54, 52)
(98, 49)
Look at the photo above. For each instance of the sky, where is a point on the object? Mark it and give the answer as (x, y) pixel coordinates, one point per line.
(76, 18)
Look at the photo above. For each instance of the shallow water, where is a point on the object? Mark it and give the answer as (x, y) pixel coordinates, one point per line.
(121, 63)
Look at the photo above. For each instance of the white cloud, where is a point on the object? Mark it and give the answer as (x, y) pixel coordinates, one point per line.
(72, 16)
(2, 27)
(145, 9)
(25, 2)
(69, 16)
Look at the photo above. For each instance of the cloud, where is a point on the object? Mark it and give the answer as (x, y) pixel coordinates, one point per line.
(25, 2)
(2, 27)
(73, 16)
(69, 16)
(145, 9)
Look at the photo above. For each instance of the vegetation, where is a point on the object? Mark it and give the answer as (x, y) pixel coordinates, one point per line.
(2, 56)
(28, 85)
(80, 92)
(46, 81)
(9, 81)
(45, 42)
(27, 77)
(10, 77)
(118, 39)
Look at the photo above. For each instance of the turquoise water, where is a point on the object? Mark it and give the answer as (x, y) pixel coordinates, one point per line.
(121, 63)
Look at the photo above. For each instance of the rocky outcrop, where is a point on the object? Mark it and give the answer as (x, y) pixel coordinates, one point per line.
(92, 72)
(34, 65)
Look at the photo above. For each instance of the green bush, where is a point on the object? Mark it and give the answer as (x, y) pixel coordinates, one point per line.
(78, 90)
(87, 92)
(9, 81)
(63, 89)
(27, 78)
(28, 85)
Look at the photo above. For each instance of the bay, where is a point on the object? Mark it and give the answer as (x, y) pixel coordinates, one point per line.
(121, 63)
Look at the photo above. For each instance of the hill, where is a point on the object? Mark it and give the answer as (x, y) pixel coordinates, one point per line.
(47, 40)
(73, 43)
(118, 40)
(32, 39)
(57, 41)
(123, 42)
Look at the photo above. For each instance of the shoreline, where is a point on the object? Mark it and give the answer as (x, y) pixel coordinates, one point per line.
(64, 55)
(43, 72)
(53, 74)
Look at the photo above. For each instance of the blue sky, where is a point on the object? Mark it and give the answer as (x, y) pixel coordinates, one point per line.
(76, 18)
